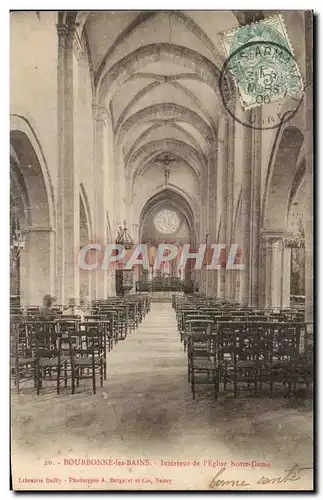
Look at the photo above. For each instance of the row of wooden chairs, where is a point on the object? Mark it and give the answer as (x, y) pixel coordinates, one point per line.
(53, 349)
(66, 347)
(232, 347)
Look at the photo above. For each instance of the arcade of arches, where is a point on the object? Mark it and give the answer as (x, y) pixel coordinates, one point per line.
(127, 123)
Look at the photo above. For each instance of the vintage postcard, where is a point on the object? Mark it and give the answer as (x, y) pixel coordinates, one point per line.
(161, 250)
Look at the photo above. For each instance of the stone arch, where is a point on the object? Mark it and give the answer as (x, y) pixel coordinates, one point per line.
(280, 175)
(147, 152)
(173, 198)
(19, 192)
(110, 239)
(142, 18)
(147, 16)
(170, 126)
(297, 182)
(139, 58)
(167, 110)
(30, 180)
(27, 148)
(275, 260)
(144, 91)
(181, 194)
(87, 211)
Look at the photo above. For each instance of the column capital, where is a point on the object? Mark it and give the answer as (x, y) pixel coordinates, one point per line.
(62, 30)
(68, 37)
(100, 114)
(271, 236)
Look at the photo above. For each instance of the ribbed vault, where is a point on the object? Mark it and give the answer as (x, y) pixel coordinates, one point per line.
(158, 75)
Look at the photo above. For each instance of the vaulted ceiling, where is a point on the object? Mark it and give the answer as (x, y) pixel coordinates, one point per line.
(157, 72)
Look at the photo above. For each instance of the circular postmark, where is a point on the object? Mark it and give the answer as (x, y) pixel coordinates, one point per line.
(264, 74)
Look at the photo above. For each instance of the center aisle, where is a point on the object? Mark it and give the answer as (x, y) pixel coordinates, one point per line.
(154, 348)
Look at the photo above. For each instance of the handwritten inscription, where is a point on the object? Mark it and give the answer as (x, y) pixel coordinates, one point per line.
(220, 483)
(219, 480)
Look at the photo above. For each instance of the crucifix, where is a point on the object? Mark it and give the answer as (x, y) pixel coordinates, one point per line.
(166, 159)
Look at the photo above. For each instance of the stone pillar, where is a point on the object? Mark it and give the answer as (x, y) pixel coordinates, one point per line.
(308, 107)
(101, 118)
(59, 289)
(285, 276)
(246, 214)
(111, 292)
(211, 211)
(277, 268)
(251, 208)
(222, 200)
(68, 225)
(229, 203)
(203, 234)
(255, 211)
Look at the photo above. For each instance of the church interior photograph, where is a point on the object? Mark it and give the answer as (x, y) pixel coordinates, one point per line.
(145, 138)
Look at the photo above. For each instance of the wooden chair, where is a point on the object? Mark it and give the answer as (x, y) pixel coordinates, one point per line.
(87, 354)
(49, 357)
(107, 329)
(202, 359)
(239, 351)
(199, 327)
(22, 353)
(133, 315)
(284, 354)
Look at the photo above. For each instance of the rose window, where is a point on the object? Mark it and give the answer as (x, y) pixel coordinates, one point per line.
(166, 221)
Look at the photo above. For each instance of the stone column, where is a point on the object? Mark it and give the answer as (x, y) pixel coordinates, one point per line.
(277, 267)
(212, 216)
(222, 201)
(68, 225)
(201, 274)
(255, 210)
(134, 233)
(59, 289)
(272, 267)
(285, 276)
(229, 197)
(246, 213)
(111, 282)
(101, 118)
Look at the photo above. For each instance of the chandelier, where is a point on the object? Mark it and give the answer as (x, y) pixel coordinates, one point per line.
(17, 238)
(123, 237)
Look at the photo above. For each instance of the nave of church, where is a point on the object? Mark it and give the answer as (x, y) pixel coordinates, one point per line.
(128, 135)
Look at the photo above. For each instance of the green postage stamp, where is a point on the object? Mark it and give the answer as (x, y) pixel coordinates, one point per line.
(261, 60)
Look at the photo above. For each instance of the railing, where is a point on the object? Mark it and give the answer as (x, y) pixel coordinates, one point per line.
(160, 285)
